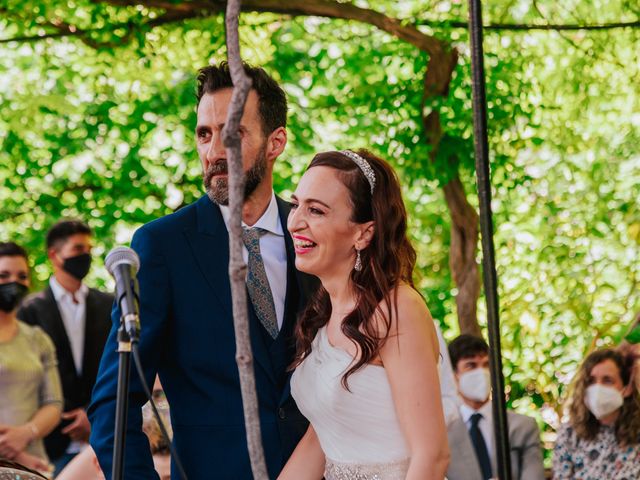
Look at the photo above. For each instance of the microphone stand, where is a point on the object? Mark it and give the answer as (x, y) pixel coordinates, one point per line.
(128, 333)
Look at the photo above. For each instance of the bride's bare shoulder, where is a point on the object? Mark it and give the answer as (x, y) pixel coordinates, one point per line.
(406, 308)
(411, 330)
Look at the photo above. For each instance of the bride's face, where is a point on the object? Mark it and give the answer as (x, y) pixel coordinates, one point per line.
(320, 224)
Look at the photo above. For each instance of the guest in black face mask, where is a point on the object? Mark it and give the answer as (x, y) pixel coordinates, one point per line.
(29, 381)
(78, 320)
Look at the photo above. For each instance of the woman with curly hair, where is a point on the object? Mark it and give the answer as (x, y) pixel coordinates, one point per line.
(602, 438)
(366, 375)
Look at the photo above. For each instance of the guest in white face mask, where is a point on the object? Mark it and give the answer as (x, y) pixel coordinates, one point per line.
(471, 439)
(602, 438)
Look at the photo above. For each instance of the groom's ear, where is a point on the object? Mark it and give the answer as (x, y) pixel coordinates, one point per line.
(276, 142)
(367, 230)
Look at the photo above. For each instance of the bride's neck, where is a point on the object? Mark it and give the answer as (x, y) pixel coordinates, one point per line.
(341, 295)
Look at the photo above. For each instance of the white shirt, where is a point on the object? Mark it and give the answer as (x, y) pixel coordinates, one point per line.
(273, 251)
(73, 315)
(74, 319)
(485, 425)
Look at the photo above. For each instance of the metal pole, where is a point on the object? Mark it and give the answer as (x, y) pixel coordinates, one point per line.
(490, 279)
(122, 403)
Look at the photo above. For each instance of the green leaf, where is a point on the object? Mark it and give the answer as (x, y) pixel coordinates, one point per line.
(634, 335)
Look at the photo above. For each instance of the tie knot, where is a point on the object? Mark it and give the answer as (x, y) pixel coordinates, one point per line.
(251, 237)
(475, 419)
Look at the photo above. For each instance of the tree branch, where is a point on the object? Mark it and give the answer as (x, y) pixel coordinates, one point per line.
(554, 27)
(321, 8)
(180, 13)
(237, 268)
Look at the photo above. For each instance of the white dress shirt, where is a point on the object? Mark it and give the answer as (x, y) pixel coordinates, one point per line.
(73, 313)
(273, 251)
(485, 425)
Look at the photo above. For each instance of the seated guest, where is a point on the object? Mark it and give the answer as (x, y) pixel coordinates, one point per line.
(85, 465)
(158, 443)
(471, 438)
(601, 440)
(31, 396)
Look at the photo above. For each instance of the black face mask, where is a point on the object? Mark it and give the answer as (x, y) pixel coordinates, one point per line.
(78, 266)
(11, 294)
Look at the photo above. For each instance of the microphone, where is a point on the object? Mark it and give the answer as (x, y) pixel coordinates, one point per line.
(123, 264)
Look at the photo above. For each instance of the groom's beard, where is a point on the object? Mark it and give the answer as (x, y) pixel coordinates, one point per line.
(218, 188)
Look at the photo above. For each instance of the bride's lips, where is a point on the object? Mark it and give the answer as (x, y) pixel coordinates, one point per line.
(302, 244)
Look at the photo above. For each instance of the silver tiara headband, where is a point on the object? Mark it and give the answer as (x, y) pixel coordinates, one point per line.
(363, 165)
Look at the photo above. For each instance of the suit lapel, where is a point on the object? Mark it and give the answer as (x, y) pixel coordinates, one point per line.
(293, 288)
(494, 447)
(210, 246)
(515, 467)
(59, 333)
(91, 338)
(465, 455)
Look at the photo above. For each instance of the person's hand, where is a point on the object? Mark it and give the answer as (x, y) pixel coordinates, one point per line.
(14, 439)
(33, 462)
(79, 428)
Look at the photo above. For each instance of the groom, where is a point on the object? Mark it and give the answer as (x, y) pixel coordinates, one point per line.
(185, 305)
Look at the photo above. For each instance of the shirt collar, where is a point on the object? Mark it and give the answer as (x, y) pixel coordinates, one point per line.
(466, 411)
(59, 292)
(269, 221)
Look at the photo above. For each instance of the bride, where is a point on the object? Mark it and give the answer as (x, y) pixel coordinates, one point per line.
(366, 375)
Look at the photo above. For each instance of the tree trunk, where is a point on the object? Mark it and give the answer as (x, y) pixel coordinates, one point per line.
(462, 255)
(464, 219)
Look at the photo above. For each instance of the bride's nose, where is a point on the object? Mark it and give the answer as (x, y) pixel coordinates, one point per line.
(295, 221)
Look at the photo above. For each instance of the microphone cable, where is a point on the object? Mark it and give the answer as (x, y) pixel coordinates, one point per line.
(147, 391)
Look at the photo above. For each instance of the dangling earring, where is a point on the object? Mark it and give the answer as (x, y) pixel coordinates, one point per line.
(358, 266)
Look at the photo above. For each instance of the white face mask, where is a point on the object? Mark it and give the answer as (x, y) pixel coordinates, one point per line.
(602, 400)
(475, 384)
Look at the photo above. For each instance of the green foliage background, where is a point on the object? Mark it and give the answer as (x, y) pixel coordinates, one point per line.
(102, 129)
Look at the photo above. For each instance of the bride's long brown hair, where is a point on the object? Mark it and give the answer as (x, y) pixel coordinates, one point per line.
(387, 262)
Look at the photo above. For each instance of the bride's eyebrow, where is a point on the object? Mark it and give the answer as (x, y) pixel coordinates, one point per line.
(311, 200)
(315, 200)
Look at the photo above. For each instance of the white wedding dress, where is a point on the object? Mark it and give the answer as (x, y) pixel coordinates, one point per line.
(359, 431)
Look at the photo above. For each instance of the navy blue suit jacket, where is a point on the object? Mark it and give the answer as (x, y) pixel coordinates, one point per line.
(188, 338)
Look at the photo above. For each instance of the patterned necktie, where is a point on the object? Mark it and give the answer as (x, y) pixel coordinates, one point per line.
(258, 283)
(480, 446)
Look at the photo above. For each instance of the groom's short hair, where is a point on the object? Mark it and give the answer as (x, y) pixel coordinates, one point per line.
(272, 101)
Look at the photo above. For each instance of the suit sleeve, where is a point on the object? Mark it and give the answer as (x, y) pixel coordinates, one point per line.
(154, 302)
(532, 464)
